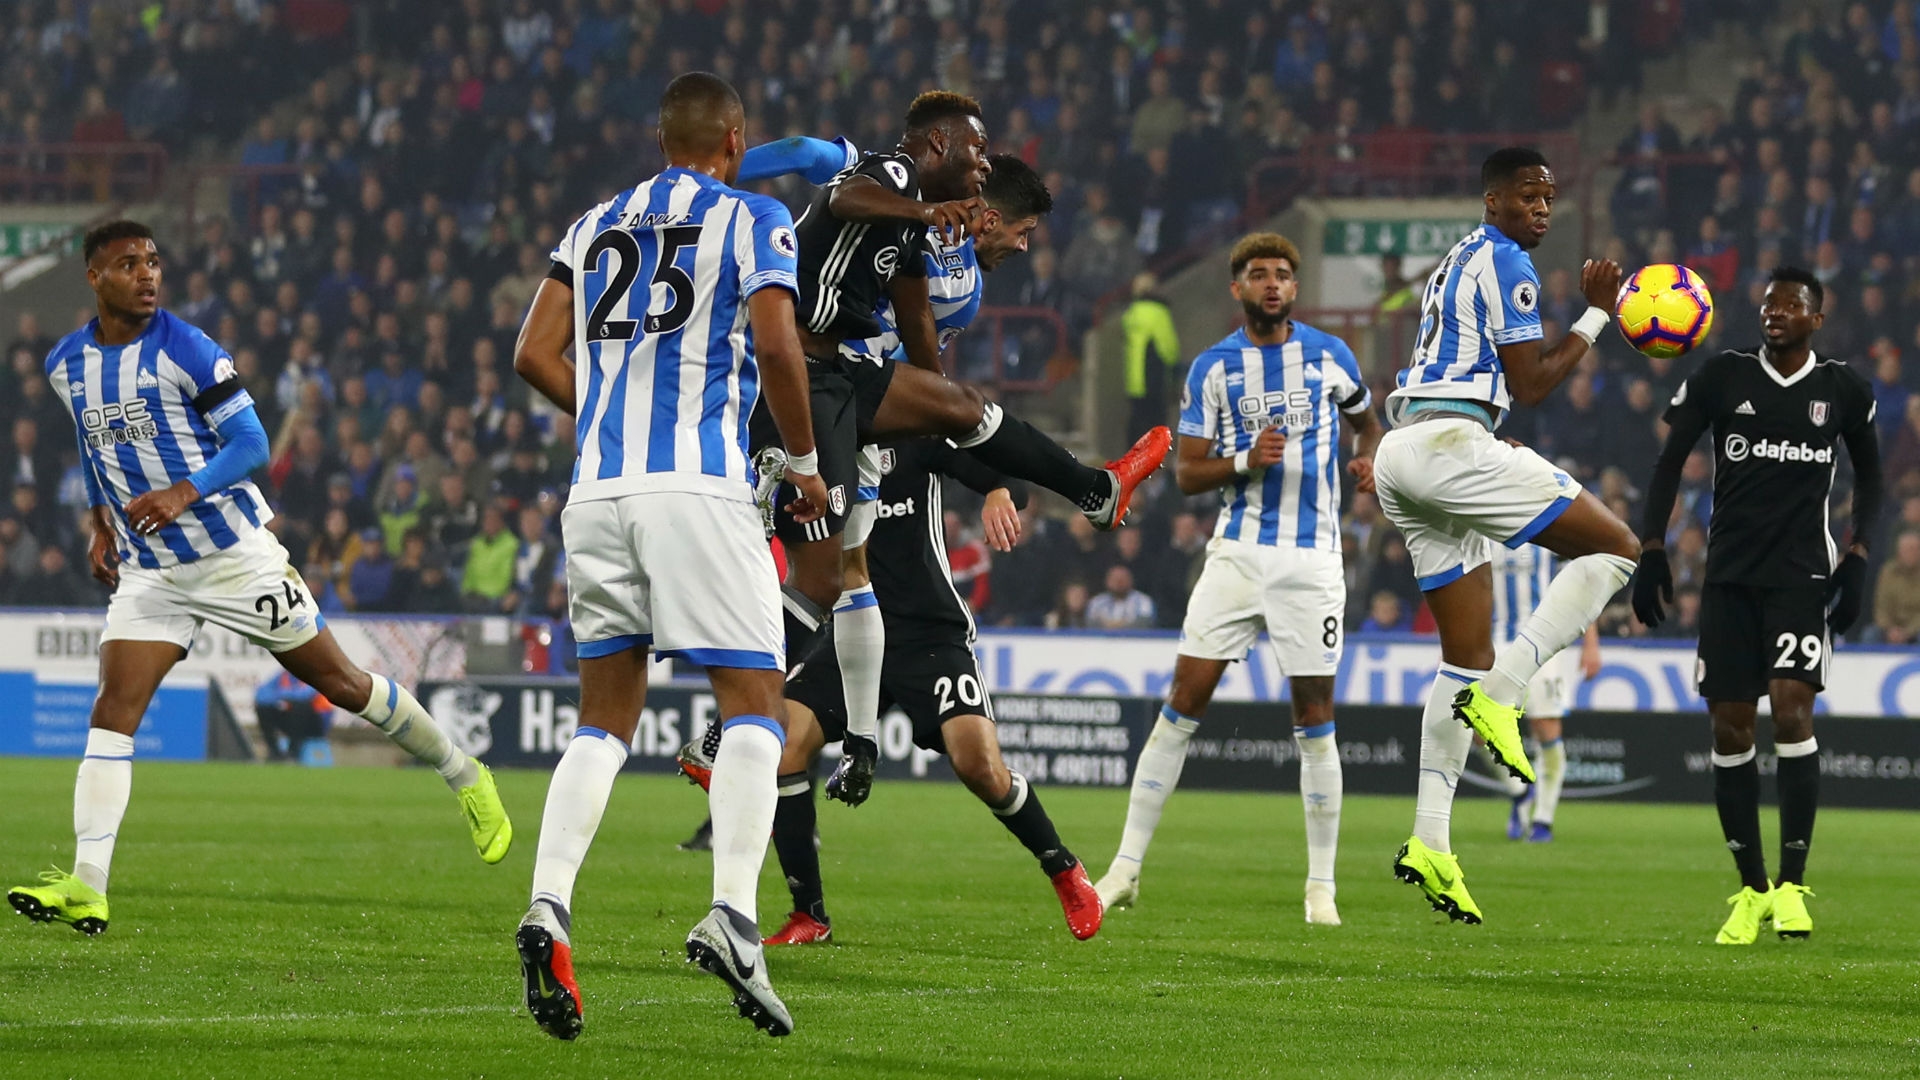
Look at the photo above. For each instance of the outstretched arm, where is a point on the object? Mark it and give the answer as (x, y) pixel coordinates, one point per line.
(862, 200)
(816, 159)
(1533, 373)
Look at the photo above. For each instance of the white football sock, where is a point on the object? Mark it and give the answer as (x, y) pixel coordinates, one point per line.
(860, 640)
(1154, 777)
(1550, 764)
(1512, 786)
(1574, 598)
(100, 794)
(395, 712)
(1443, 753)
(576, 797)
(1320, 788)
(742, 799)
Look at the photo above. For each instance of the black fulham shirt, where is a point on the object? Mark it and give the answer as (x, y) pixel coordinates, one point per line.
(907, 553)
(845, 266)
(1774, 454)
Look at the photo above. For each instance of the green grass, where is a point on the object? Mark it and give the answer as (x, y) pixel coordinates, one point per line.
(279, 922)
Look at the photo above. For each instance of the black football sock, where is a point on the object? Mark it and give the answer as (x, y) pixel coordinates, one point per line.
(1027, 820)
(1799, 798)
(806, 624)
(794, 818)
(1010, 445)
(1736, 791)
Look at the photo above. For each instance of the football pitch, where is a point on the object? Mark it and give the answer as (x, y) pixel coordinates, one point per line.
(278, 922)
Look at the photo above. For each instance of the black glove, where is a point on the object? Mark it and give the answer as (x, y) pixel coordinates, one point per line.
(852, 779)
(1652, 584)
(1846, 592)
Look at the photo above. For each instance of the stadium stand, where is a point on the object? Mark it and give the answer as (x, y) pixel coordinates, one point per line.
(370, 192)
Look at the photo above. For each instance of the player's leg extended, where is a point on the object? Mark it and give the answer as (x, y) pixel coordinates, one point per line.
(974, 751)
(794, 821)
(919, 402)
(1799, 778)
(1550, 767)
(613, 690)
(323, 665)
(1321, 787)
(1602, 553)
(742, 801)
(1463, 611)
(860, 644)
(1736, 795)
(1157, 772)
(130, 672)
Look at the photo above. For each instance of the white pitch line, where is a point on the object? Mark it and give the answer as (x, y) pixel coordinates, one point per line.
(256, 1018)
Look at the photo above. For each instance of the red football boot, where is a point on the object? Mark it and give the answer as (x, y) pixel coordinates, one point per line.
(696, 763)
(553, 997)
(802, 929)
(1079, 900)
(1129, 470)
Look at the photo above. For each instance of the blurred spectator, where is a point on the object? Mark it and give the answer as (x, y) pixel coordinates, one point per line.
(1153, 354)
(1070, 611)
(1896, 599)
(1385, 614)
(52, 584)
(1121, 606)
(488, 577)
(370, 578)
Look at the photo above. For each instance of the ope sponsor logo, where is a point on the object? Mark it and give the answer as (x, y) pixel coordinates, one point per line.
(1739, 449)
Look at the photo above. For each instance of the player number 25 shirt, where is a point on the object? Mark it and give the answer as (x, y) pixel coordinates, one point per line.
(1773, 461)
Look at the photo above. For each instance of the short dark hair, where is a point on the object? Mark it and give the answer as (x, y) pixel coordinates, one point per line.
(107, 232)
(1794, 275)
(1014, 189)
(1502, 164)
(934, 106)
(694, 110)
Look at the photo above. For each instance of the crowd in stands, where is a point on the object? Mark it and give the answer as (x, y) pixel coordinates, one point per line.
(419, 159)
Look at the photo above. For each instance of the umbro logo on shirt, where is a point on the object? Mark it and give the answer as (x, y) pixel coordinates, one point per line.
(1745, 409)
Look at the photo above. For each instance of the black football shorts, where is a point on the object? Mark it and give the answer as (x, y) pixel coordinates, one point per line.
(1750, 636)
(931, 684)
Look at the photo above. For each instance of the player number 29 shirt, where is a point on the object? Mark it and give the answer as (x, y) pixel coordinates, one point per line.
(1236, 389)
(1773, 461)
(146, 414)
(664, 376)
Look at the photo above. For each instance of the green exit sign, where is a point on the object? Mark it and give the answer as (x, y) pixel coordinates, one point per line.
(18, 240)
(1403, 237)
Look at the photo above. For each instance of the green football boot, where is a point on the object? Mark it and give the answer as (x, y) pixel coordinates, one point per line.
(1750, 909)
(1790, 918)
(486, 817)
(1439, 877)
(61, 897)
(1496, 724)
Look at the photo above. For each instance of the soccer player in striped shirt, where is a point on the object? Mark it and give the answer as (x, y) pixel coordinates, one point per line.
(167, 438)
(677, 297)
(1520, 579)
(1260, 423)
(1450, 486)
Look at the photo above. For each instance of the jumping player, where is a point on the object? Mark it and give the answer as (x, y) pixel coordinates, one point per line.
(861, 240)
(1450, 486)
(930, 672)
(1520, 579)
(167, 438)
(1776, 587)
(1260, 423)
(678, 295)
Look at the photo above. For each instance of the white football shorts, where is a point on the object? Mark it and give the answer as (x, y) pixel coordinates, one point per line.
(250, 588)
(1450, 486)
(1297, 595)
(688, 575)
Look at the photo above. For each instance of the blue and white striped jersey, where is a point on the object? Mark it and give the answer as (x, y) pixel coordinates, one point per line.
(664, 372)
(137, 409)
(1520, 579)
(1484, 294)
(1236, 389)
(955, 287)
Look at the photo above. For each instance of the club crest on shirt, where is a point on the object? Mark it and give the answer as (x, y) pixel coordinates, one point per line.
(887, 460)
(837, 499)
(1818, 411)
